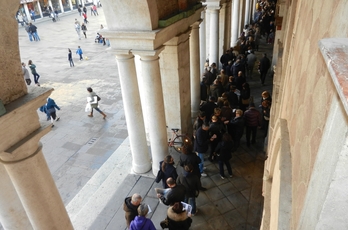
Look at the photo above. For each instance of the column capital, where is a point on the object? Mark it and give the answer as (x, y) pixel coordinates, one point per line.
(180, 38)
(148, 54)
(213, 4)
(196, 24)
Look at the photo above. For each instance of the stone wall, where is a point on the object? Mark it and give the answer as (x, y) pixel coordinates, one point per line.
(11, 77)
(305, 92)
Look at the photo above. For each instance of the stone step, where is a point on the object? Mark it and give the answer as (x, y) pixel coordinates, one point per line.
(94, 197)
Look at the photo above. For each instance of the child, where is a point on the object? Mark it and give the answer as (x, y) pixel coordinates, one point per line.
(79, 52)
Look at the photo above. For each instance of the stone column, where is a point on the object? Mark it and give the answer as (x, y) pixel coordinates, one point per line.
(235, 23)
(253, 7)
(12, 213)
(50, 4)
(40, 11)
(34, 184)
(194, 70)
(154, 106)
(247, 12)
(71, 6)
(214, 35)
(202, 42)
(27, 13)
(175, 71)
(61, 6)
(141, 162)
(21, 154)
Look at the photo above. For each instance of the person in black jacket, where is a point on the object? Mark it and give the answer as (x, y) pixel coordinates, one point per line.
(192, 184)
(265, 64)
(223, 153)
(176, 193)
(168, 169)
(235, 128)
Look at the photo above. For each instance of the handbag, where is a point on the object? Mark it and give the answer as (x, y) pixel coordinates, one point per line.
(159, 176)
(165, 223)
(245, 101)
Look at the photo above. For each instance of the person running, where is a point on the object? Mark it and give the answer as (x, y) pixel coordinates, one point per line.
(79, 52)
(70, 58)
(51, 107)
(26, 74)
(33, 71)
(92, 103)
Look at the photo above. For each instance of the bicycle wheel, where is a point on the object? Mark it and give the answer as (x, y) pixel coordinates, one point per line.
(179, 142)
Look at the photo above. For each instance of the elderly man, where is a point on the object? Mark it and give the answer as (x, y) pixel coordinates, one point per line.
(130, 206)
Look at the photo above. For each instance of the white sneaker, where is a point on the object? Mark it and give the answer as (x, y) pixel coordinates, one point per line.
(203, 174)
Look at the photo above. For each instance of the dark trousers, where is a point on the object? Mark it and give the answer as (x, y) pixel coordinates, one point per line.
(263, 77)
(251, 130)
(228, 166)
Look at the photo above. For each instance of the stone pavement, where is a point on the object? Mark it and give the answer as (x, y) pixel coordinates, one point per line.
(90, 158)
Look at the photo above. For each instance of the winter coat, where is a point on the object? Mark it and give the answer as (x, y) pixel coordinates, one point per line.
(170, 171)
(192, 159)
(130, 209)
(142, 223)
(176, 194)
(223, 150)
(201, 141)
(178, 221)
(191, 182)
(252, 117)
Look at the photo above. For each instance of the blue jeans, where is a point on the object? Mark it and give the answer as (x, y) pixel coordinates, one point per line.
(36, 78)
(201, 165)
(36, 36)
(30, 36)
(192, 201)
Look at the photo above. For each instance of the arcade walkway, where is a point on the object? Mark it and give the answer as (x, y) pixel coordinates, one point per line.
(90, 159)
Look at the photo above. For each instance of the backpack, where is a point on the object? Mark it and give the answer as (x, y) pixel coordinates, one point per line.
(98, 98)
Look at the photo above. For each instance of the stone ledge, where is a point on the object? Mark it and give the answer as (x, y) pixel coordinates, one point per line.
(335, 53)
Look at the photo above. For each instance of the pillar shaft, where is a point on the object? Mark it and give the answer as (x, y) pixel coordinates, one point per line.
(70, 4)
(20, 153)
(61, 6)
(154, 106)
(194, 70)
(247, 11)
(214, 35)
(134, 116)
(235, 23)
(27, 13)
(12, 213)
(202, 42)
(34, 184)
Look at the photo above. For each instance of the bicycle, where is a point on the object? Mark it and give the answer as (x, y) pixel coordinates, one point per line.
(178, 140)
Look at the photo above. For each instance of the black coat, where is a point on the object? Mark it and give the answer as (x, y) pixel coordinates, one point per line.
(192, 159)
(191, 182)
(176, 194)
(201, 141)
(224, 150)
(236, 127)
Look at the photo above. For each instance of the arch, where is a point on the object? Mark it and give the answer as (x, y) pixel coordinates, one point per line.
(131, 15)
